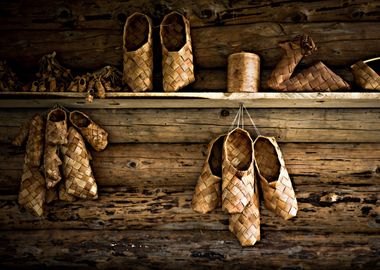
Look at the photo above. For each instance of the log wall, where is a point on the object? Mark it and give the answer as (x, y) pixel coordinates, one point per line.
(143, 218)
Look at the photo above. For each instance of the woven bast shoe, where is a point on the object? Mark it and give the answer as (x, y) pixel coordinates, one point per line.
(365, 76)
(96, 136)
(32, 190)
(177, 54)
(56, 127)
(246, 225)
(79, 180)
(278, 192)
(237, 171)
(51, 165)
(207, 192)
(138, 53)
(35, 143)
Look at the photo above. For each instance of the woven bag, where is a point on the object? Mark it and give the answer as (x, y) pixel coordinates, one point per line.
(35, 143)
(246, 225)
(79, 180)
(207, 192)
(278, 192)
(315, 78)
(365, 76)
(138, 53)
(237, 171)
(51, 165)
(56, 127)
(177, 54)
(96, 136)
(32, 190)
(63, 195)
(22, 135)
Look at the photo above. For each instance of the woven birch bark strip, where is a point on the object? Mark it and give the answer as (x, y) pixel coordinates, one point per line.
(51, 165)
(207, 193)
(238, 171)
(79, 179)
(177, 53)
(63, 195)
(138, 53)
(35, 143)
(277, 188)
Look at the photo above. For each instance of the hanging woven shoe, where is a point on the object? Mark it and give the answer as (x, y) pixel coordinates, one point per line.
(51, 165)
(275, 183)
(315, 78)
(79, 180)
(238, 171)
(177, 54)
(22, 135)
(35, 143)
(56, 127)
(365, 76)
(246, 225)
(207, 192)
(32, 190)
(96, 136)
(138, 53)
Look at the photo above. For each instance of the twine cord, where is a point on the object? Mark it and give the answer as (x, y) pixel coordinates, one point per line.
(239, 119)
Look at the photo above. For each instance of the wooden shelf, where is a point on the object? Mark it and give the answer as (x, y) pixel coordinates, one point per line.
(193, 100)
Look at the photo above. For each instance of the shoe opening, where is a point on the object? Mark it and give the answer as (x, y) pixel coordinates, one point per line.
(136, 32)
(79, 119)
(215, 160)
(57, 115)
(174, 32)
(267, 160)
(239, 149)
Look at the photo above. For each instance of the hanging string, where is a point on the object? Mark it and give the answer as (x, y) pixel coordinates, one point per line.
(239, 119)
(253, 123)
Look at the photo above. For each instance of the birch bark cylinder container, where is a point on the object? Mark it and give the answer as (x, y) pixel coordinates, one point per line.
(243, 72)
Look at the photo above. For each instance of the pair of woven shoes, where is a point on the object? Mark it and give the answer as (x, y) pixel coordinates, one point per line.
(44, 143)
(234, 169)
(177, 55)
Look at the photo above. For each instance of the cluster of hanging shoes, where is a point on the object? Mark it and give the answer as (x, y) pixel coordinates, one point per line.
(177, 55)
(237, 171)
(57, 162)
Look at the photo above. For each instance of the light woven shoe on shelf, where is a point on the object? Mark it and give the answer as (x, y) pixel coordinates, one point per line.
(277, 189)
(56, 127)
(177, 54)
(246, 225)
(316, 78)
(32, 190)
(207, 193)
(79, 179)
(35, 143)
(51, 165)
(365, 76)
(138, 53)
(237, 171)
(96, 136)
(22, 135)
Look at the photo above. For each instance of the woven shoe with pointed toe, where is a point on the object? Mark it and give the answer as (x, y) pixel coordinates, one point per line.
(275, 183)
(246, 225)
(207, 192)
(177, 54)
(138, 53)
(79, 180)
(96, 136)
(56, 127)
(237, 171)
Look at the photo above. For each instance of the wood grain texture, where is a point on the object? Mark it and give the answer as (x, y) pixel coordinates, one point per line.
(346, 209)
(92, 49)
(160, 165)
(200, 125)
(188, 249)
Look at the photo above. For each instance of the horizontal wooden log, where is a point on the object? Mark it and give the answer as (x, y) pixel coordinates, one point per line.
(322, 208)
(110, 15)
(188, 249)
(158, 165)
(200, 125)
(339, 44)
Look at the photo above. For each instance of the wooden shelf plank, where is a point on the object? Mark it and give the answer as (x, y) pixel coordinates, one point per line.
(193, 100)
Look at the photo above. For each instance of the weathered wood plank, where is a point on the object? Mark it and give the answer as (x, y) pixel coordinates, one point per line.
(91, 49)
(188, 249)
(322, 208)
(158, 165)
(54, 15)
(200, 125)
